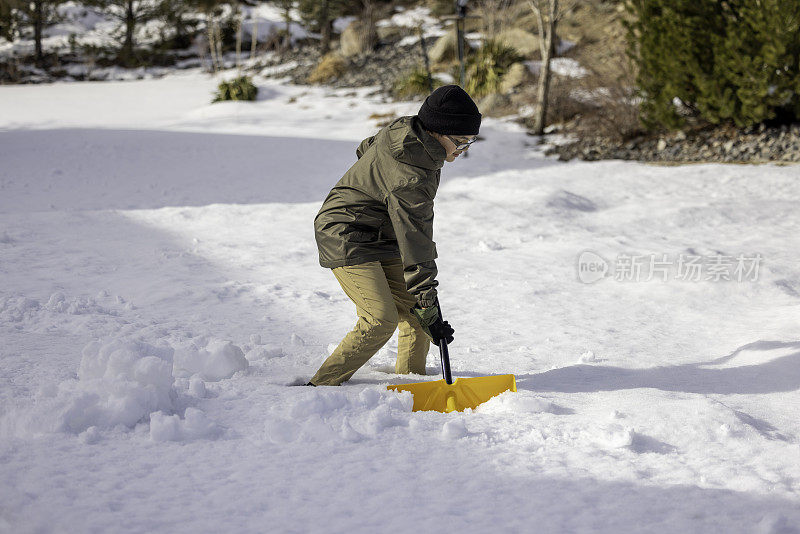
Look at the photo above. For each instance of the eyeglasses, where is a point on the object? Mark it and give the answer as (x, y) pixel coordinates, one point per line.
(462, 145)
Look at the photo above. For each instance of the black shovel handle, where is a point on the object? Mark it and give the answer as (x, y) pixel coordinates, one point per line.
(444, 353)
(445, 357)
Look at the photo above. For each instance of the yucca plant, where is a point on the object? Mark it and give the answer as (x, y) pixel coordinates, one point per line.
(413, 83)
(240, 88)
(487, 66)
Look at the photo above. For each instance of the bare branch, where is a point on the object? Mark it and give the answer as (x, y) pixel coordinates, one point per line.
(539, 24)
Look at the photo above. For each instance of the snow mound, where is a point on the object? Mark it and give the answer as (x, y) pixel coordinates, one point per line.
(257, 350)
(19, 309)
(197, 387)
(588, 357)
(264, 353)
(519, 402)
(59, 303)
(195, 425)
(616, 436)
(455, 429)
(612, 436)
(489, 246)
(325, 414)
(119, 383)
(213, 361)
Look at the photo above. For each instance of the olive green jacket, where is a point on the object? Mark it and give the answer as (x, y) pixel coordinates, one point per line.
(382, 207)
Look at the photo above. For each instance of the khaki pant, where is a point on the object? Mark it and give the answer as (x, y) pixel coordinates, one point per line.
(382, 302)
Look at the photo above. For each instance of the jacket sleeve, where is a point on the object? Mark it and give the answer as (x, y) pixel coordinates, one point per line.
(411, 212)
(365, 144)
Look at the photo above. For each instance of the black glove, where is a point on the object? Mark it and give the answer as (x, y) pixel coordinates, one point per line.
(441, 330)
(431, 321)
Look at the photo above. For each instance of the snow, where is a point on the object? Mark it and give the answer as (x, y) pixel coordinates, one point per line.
(266, 20)
(97, 27)
(216, 361)
(194, 425)
(411, 18)
(563, 66)
(86, 25)
(340, 24)
(118, 383)
(161, 292)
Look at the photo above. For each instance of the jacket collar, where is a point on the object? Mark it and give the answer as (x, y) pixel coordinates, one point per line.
(410, 143)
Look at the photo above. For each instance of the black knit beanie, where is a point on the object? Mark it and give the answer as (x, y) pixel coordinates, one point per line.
(450, 110)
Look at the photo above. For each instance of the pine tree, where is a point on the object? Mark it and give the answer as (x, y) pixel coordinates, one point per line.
(318, 16)
(130, 14)
(10, 18)
(36, 14)
(672, 42)
(178, 16)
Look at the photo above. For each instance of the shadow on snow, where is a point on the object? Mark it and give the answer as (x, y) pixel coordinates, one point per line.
(776, 375)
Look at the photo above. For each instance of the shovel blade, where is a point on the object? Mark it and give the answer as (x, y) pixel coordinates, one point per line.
(463, 393)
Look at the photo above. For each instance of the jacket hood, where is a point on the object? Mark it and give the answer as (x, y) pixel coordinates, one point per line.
(409, 143)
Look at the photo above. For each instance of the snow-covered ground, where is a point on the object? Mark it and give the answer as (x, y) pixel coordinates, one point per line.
(160, 291)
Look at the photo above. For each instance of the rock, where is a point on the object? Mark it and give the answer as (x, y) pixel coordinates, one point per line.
(755, 144)
(379, 67)
(525, 43)
(391, 34)
(352, 42)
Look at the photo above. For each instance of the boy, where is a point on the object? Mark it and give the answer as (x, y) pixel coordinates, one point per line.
(375, 230)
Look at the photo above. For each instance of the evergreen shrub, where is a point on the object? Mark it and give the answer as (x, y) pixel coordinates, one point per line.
(733, 61)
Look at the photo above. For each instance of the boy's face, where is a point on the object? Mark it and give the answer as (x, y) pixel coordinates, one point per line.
(452, 142)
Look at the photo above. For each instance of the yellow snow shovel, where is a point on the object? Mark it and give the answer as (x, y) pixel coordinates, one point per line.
(450, 395)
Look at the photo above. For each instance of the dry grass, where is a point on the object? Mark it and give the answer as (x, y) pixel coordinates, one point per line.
(497, 16)
(601, 103)
(330, 67)
(616, 115)
(382, 119)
